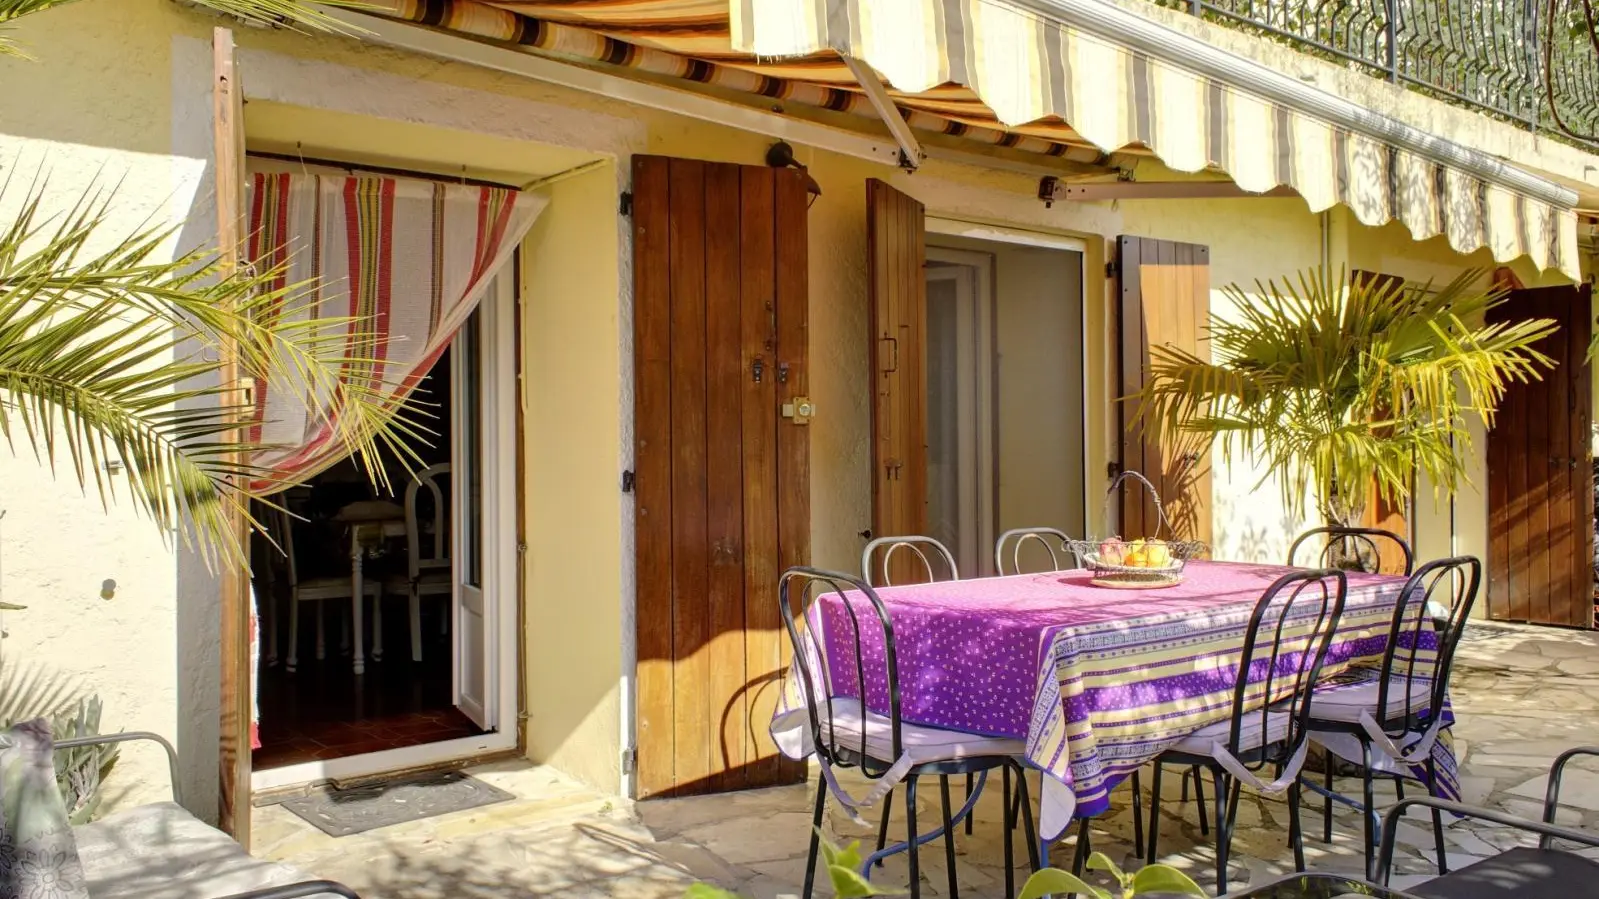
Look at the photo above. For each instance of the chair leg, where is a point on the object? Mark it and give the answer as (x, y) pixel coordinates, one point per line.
(1199, 799)
(1328, 764)
(1399, 786)
(1368, 803)
(1009, 822)
(377, 627)
(321, 631)
(913, 855)
(882, 829)
(1154, 812)
(1025, 804)
(816, 837)
(1296, 830)
(969, 818)
(1138, 818)
(1437, 820)
(1081, 857)
(293, 661)
(1224, 827)
(949, 837)
(416, 627)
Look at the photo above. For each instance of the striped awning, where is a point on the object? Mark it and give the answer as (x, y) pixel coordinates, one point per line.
(1028, 74)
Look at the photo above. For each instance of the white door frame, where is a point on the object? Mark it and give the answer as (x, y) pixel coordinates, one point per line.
(499, 570)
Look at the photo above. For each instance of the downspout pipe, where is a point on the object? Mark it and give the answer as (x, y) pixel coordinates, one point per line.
(1120, 27)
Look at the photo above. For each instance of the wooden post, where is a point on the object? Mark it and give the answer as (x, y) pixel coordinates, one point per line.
(227, 117)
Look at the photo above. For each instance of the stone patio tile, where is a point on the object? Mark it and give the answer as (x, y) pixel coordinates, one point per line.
(1578, 789)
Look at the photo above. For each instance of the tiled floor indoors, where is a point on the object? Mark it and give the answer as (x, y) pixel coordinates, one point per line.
(1522, 695)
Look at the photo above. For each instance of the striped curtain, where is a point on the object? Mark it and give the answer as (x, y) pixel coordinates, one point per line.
(407, 259)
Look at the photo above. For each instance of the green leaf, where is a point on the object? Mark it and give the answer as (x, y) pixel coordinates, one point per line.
(1055, 882)
(1165, 879)
(849, 884)
(706, 891)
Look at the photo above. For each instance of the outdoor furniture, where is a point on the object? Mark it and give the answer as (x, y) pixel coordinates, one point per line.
(1096, 681)
(160, 851)
(1353, 549)
(1399, 709)
(877, 560)
(1290, 630)
(843, 733)
(1538, 872)
(1050, 539)
(428, 575)
(318, 590)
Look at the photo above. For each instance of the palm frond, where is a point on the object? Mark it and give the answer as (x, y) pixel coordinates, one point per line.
(294, 14)
(1338, 387)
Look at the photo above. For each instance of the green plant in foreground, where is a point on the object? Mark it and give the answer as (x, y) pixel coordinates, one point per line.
(843, 872)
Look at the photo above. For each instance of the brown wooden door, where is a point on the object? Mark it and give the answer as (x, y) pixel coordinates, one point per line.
(897, 259)
(1540, 473)
(723, 480)
(1165, 299)
(1379, 511)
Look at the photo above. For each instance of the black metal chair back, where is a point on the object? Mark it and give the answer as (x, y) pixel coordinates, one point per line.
(1288, 636)
(863, 625)
(878, 557)
(1352, 549)
(1008, 550)
(1435, 603)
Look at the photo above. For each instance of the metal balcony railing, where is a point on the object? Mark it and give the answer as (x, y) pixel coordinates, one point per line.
(1486, 54)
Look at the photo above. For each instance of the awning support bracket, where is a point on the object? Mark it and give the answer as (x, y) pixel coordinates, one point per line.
(910, 149)
(1052, 189)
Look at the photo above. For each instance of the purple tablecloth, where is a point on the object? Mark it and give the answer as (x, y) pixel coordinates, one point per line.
(1096, 681)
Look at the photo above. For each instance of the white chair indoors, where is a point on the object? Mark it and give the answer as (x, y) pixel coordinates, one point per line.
(429, 574)
(315, 589)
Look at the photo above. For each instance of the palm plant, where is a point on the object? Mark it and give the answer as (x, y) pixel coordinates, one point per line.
(112, 351)
(1337, 386)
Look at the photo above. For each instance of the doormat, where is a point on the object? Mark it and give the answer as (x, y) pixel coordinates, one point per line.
(340, 813)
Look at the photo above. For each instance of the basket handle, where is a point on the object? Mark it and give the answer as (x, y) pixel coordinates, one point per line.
(1160, 511)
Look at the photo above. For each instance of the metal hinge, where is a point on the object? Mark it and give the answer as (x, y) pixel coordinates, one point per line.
(1112, 269)
(626, 205)
(628, 481)
(629, 760)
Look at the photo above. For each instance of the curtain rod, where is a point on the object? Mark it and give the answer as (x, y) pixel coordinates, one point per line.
(572, 172)
(356, 168)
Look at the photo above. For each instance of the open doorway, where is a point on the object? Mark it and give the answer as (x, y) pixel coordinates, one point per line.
(422, 667)
(1005, 404)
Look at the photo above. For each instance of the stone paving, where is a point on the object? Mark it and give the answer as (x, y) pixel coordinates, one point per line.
(1522, 695)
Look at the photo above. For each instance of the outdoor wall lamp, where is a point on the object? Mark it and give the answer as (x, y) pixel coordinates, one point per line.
(781, 156)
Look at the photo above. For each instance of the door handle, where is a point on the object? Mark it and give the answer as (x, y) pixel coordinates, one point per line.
(893, 350)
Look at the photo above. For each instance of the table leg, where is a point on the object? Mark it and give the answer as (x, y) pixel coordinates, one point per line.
(358, 653)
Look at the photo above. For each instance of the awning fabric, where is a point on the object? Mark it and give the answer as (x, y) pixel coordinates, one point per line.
(1007, 73)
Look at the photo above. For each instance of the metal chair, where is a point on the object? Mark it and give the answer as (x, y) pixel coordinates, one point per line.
(883, 550)
(1050, 540)
(1352, 549)
(845, 733)
(1008, 561)
(1522, 873)
(1398, 706)
(1297, 615)
(428, 575)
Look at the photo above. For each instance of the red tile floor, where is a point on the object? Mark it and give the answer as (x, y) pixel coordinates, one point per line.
(323, 711)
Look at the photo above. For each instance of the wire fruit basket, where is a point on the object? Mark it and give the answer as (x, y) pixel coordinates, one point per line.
(1141, 564)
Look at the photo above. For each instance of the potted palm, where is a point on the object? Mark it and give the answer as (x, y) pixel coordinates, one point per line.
(1335, 386)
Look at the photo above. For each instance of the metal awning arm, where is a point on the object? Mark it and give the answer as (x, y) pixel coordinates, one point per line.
(910, 149)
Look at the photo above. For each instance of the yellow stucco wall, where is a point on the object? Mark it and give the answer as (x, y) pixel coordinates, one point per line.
(129, 84)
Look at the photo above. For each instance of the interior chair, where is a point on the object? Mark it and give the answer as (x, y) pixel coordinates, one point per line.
(844, 733)
(1398, 706)
(1351, 549)
(1056, 545)
(1287, 638)
(312, 589)
(428, 571)
(1534, 872)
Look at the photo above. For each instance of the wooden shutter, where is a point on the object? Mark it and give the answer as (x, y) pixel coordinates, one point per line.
(723, 480)
(1378, 511)
(237, 674)
(897, 260)
(1540, 473)
(1165, 299)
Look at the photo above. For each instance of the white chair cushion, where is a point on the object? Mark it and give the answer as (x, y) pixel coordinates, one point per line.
(1343, 702)
(160, 851)
(921, 744)
(1203, 741)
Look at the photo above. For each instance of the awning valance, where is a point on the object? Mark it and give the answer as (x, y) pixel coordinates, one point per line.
(1058, 78)
(1080, 62)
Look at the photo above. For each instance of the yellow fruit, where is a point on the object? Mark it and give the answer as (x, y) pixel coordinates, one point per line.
(1156, 555)
(1135, 559)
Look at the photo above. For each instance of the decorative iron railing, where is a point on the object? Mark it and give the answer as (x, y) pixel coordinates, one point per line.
(1487, 54)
